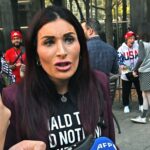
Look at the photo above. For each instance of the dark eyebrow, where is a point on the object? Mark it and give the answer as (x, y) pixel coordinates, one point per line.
(69, 33)
(52, 37)
(47, 37)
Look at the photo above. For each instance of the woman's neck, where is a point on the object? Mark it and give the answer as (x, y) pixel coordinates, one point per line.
(62, 86)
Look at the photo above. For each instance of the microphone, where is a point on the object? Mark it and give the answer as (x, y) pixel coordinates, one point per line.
(103, 143)
(90, 143)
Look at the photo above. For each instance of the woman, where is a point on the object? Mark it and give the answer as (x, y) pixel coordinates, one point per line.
(60, 101)
(143, 68)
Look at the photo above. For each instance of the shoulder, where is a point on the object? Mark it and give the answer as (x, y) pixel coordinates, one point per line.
(100, 44)
(136, 45)
(102, 78)
(9, 51)
(94, 40)
(122, 47)
(100, 75)
(146, 44)
(108, 48)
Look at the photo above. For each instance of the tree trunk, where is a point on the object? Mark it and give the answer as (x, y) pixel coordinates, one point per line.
(58, 2)
(32, 9)
(108, 22)
(124, 17)
(7, 23)
(143, 9)
(42, 3)
(87, 8)
(70, 2)
(148, 11)
(137, 7)
(14, 5)
(80, 11)
(96, 9)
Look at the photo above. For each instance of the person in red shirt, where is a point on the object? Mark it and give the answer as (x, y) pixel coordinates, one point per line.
(15, 56)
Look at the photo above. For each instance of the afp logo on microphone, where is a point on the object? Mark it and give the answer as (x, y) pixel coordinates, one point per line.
(103, 143)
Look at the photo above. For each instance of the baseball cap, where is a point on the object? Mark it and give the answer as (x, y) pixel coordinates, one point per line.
(129, 34)
(15, 34)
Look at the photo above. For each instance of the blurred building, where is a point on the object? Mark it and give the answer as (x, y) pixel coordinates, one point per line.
(15, 14)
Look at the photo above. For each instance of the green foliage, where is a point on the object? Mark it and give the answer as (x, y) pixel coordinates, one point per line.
(48, 2)
(99, 8)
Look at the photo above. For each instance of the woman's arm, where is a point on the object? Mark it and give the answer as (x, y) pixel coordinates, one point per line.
(141, 56)
(4, 122)
(109, 131)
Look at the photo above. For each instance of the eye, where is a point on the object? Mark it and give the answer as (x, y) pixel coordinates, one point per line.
(48, 42)
(69, 39)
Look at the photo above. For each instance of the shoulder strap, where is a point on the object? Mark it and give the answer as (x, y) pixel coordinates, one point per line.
(22, 51)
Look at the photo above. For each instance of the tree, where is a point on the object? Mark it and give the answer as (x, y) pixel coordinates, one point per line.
(124, 16)
(80, 11)
(14, 6)
(7, 23)
(143, 9)
(108, 22)
(57, 2)
(87, 7)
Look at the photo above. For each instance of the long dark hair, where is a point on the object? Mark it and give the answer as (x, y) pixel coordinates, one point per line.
(37, 100)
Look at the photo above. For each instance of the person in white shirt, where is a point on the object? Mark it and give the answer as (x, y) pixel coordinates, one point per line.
(128, 56)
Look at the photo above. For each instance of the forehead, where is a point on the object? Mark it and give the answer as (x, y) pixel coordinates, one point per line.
(56, 28)
(131, 37)
(16, 38)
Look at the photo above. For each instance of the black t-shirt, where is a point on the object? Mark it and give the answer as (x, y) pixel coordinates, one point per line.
(65, 126)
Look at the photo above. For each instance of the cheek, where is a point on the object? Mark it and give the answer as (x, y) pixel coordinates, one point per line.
(45, 57)
(76, 55)
(129, 41)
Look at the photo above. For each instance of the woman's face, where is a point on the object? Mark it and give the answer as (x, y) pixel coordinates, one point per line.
(58, 49)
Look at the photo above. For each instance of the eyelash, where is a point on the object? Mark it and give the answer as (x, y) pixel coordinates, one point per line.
(48, 42)
(69, 39)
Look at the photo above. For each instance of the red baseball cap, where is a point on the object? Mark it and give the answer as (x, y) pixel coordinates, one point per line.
(15, 34)
(129, 34)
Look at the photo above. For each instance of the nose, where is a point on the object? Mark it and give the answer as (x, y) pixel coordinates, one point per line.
(61, 50)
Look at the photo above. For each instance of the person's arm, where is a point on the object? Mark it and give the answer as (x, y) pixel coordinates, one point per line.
(115, 67)
(4, 122)
(109, 131)
(108, 114)
(141, 56)
(9, 100)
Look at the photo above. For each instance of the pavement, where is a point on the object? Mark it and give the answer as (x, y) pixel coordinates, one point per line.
(133, 136)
